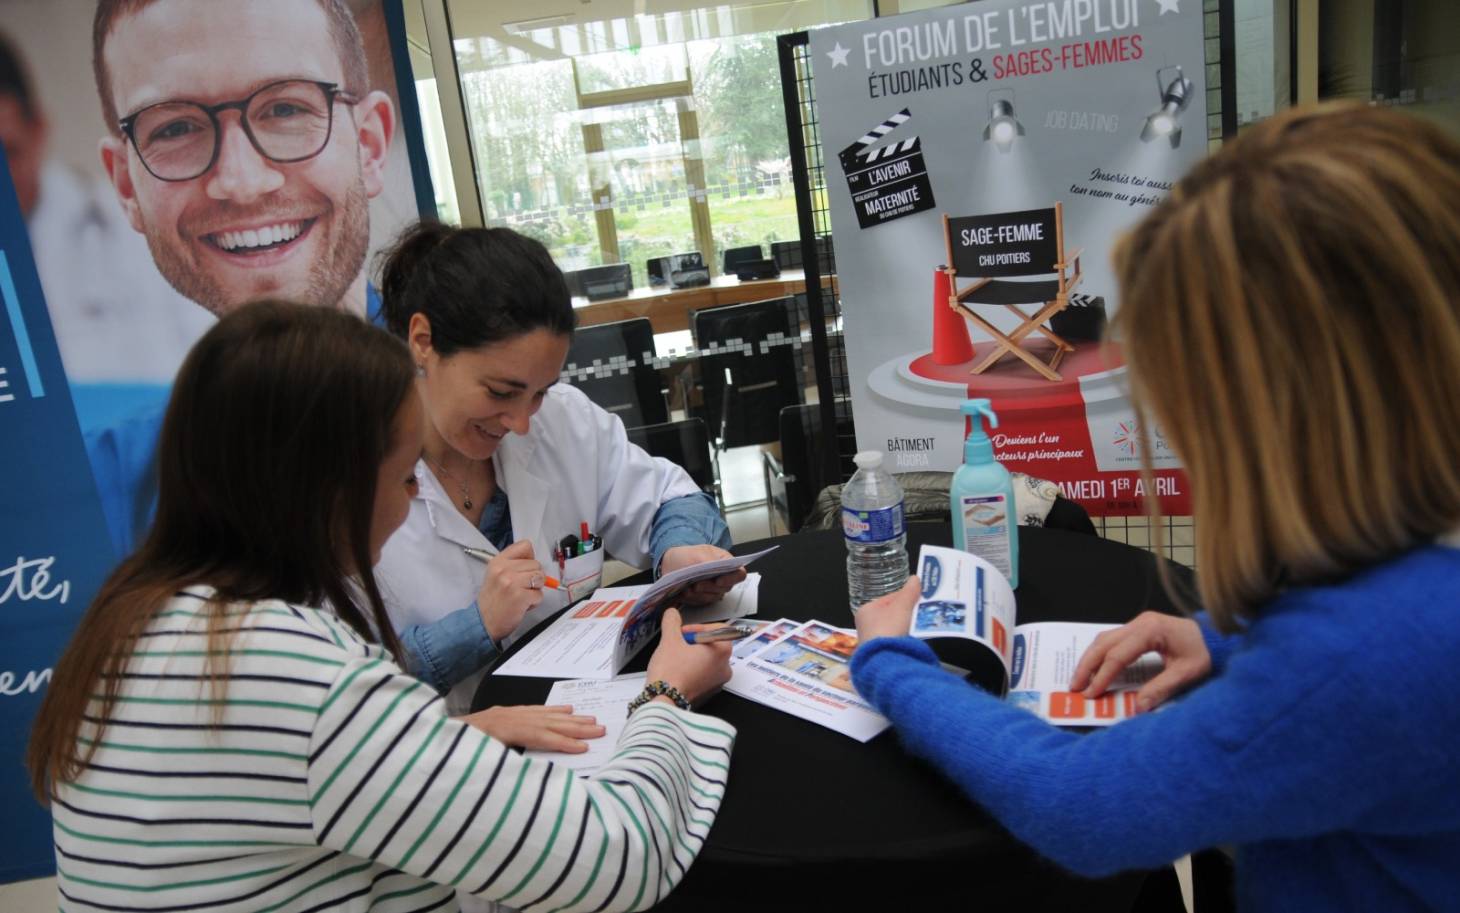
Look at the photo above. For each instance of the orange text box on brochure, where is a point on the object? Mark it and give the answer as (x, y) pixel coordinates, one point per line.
(587, 610)
(1067, 705)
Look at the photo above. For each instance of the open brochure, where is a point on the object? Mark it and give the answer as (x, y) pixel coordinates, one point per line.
(964, 599)
(597, 637)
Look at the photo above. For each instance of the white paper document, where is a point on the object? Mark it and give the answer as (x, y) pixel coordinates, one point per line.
(608, 702)
(806, 672)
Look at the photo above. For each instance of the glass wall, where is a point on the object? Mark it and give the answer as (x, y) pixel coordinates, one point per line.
(614, 136)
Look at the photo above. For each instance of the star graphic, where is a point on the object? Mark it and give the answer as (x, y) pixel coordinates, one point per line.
(1169, 6)
(838, 55)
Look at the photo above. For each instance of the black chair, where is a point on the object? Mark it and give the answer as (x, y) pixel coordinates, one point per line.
(597, 283)
(787, 254)
(793, 480)
(686, 444)
(611, 362)
(738, 255)
(747, 369)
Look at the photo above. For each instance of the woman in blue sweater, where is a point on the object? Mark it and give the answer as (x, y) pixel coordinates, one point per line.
(1289, 317)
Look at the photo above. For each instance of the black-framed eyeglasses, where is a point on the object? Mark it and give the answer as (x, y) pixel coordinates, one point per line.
(286, 121)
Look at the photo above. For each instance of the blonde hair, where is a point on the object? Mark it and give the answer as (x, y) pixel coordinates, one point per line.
(1289, 318)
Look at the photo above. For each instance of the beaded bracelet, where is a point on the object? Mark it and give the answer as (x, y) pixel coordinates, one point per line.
(653, 690)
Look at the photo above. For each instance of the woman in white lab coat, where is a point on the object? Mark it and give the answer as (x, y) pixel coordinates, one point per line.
(516, 465)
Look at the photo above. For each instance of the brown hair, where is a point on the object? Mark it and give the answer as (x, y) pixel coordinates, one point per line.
(343, 32)
(280, 418)
(1290, 322)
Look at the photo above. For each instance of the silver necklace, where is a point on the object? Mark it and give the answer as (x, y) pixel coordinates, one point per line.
(465, 492)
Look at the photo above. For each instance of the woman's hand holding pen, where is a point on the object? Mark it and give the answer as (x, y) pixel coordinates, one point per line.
(512, 587)
(695, 670)
(548, 728)
(705, 591)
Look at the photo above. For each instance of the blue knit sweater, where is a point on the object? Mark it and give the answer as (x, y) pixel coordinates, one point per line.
(1326, 747)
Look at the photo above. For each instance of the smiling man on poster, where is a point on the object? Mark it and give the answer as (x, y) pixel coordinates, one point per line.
(244, 144)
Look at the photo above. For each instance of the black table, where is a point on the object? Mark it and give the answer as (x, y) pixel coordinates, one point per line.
(812, 819)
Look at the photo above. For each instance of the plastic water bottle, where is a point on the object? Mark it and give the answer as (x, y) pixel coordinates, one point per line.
(873, 527)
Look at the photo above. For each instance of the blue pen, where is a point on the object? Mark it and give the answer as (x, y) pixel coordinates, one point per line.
(716, 635)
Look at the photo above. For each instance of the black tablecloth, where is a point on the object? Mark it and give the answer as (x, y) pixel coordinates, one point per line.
(806, 804)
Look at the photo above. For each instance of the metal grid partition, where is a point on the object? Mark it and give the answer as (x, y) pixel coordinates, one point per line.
(823, 294)
(1173, 536)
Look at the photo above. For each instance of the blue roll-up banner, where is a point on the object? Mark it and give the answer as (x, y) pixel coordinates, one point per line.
(108, 274)
(54, 550)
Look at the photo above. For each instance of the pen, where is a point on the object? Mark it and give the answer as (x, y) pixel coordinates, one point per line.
(715, 635)
(482, 554)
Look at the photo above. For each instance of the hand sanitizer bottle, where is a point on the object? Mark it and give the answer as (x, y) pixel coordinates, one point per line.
(982, 498)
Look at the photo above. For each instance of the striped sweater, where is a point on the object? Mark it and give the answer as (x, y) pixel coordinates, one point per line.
(336, 781)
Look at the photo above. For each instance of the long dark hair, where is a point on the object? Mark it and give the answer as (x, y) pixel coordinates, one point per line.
(280, 418)
(476, 286)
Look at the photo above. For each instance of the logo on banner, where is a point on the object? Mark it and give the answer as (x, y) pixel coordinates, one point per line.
(890, 181)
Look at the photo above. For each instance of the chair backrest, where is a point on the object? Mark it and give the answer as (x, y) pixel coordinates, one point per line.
(596, 283)
(1025, 243)
(787, 254)
(685, 443)
(738, 255)
(752, 343)
(608, 362)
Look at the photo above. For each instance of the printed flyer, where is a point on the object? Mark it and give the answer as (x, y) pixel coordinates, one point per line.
(1013, 142)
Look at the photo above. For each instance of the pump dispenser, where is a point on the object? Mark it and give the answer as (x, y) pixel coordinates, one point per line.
(981, 498)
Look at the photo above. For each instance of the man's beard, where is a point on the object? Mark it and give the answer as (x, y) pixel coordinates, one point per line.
(329, 278)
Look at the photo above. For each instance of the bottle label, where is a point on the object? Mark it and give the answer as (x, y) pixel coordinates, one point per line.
(986, 525)
(872, 526)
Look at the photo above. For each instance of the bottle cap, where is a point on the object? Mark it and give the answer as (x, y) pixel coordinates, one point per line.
(977, 448)
(868, 459)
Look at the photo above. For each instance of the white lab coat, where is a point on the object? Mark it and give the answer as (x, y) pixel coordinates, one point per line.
(575, 464)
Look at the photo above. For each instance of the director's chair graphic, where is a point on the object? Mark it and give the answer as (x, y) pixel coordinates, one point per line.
(991, 248)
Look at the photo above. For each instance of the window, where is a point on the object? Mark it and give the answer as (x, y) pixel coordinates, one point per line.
(628, 138)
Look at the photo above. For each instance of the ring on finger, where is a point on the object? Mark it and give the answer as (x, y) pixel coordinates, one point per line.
(536, 582)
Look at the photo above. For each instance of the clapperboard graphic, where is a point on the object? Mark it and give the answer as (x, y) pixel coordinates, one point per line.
(890, 181)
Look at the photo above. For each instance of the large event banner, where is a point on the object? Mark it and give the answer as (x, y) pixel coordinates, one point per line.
(211, 158)
(1041, 130)
(54, 550)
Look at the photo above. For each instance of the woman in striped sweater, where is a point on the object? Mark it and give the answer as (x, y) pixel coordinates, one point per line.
(224, 733)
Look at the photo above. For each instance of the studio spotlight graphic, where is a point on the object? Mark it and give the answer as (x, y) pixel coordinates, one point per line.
(1003, 125)
(1175, 91)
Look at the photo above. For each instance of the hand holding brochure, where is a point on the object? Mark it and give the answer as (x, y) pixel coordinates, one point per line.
(596, 638)
(963, 597)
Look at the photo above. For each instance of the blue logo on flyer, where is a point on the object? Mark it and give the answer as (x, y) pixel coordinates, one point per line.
(1018, 664)
(932, 575)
